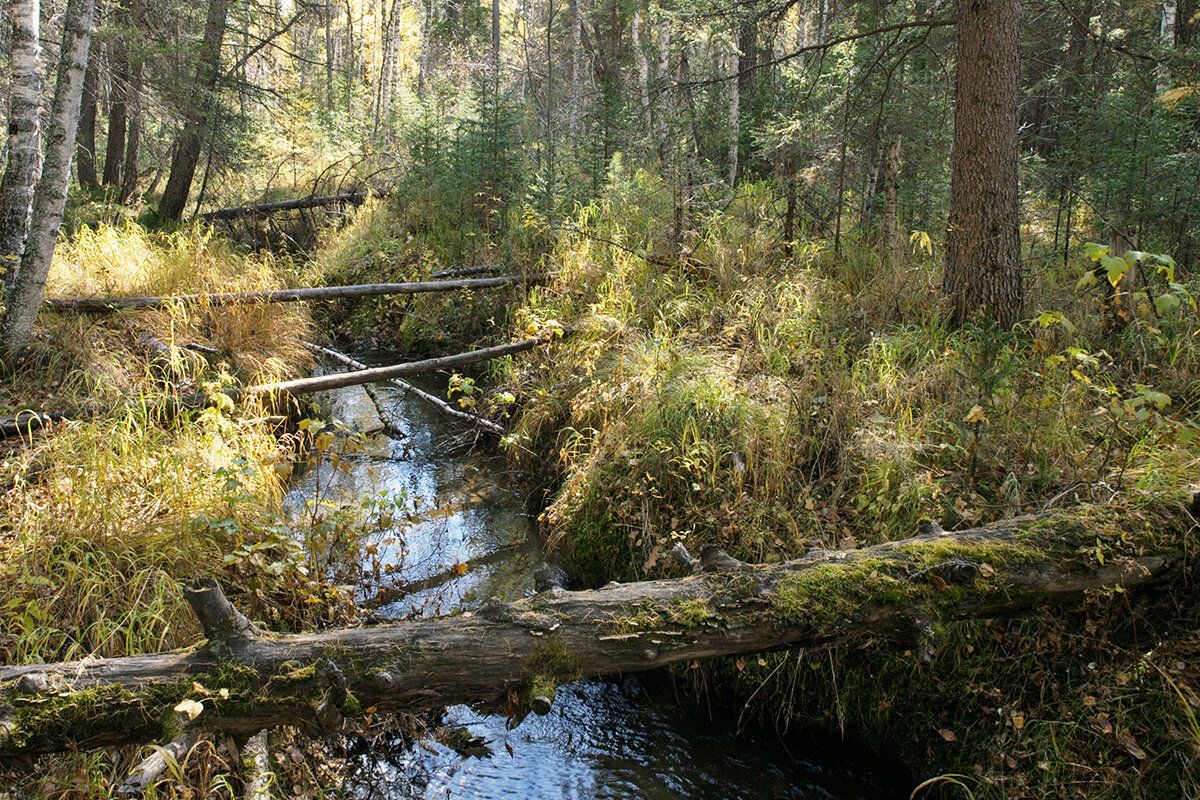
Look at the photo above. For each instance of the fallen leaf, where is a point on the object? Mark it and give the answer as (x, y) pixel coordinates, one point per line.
(987, 570)
(190, 707)
(1089, 701)
(948, 735)
(1018, 722)
(741, 664)
(1101, 723)
(1126, 740)
(1010, 762)
(939, 584)
(651, 560)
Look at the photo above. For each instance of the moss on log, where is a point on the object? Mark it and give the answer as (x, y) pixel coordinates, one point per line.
(512, 655)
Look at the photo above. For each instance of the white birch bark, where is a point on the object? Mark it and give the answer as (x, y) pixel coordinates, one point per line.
(24, 151)
(50, 196)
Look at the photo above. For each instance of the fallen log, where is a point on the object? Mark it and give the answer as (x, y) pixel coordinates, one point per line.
(262, 209)
(463, 272)
(433, 400)
(513, 655)
(109, 305)
(26, 422)
(339, 380)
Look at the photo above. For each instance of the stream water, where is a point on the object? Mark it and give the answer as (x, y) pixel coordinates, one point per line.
(463, 534)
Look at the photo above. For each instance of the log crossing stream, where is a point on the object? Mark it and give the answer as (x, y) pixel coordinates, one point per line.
(462, 533)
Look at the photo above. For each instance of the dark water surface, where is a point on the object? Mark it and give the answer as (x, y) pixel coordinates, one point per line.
(619, 739)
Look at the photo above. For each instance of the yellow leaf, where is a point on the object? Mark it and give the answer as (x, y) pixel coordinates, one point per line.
(190, 707)
(976, 415)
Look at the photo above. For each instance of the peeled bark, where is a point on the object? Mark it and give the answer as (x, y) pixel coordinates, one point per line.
(983, 239)
(191, 139)
(513, 655)
(24, 140)
(51, 195)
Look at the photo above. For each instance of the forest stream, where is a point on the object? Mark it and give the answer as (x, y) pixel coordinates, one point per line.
(634, 737)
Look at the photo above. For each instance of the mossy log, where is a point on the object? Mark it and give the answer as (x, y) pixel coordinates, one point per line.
(513, 655)
(110, 305)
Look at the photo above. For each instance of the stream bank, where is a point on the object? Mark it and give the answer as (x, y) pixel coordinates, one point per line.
(465, 534)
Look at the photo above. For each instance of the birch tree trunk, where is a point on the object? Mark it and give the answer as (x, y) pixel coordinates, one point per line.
(983, 239)
(24, 147)
(191, 139)
(51, 194)
(889, 240)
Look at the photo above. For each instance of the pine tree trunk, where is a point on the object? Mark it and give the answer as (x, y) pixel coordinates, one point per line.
(114, 152)
(51, 195)
(735, 132)
(86, 140)
(24, 147)
(191, 139)
(133, 133)
(983, 239)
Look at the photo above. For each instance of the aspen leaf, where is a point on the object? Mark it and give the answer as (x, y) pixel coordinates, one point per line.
(1126, 740)
(948, 735)
(190, 707)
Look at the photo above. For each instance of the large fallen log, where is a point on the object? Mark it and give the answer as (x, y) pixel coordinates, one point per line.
(109, 305)
(262, 209)
(513, 655)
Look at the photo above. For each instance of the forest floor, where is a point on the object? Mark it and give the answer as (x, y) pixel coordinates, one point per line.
(713, 385)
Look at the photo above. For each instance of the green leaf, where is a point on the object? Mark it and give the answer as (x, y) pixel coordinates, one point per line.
(1132, 257)
(1166, 303)
(1095, 251)
(1115, 267)
(1088, 279)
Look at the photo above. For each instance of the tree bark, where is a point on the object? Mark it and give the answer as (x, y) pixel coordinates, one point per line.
(85, 145)
(51, 195)
(983, 239)
(109, 305)
(24, 137)
(513, 655)
(133, 134)
(191, 139)
(114, 151)
(889, 239)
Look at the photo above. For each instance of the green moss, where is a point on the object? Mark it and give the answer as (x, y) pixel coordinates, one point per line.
(548, 667)
(691, 612)
(826, 593)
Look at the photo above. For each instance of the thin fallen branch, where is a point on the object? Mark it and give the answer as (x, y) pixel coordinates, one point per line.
(379, 374)
(256, 758)
(109, 305)
(513, 655)
(434, 400)
(27, 422)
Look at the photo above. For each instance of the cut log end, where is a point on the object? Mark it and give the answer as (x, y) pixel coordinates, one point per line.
(219, 619)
